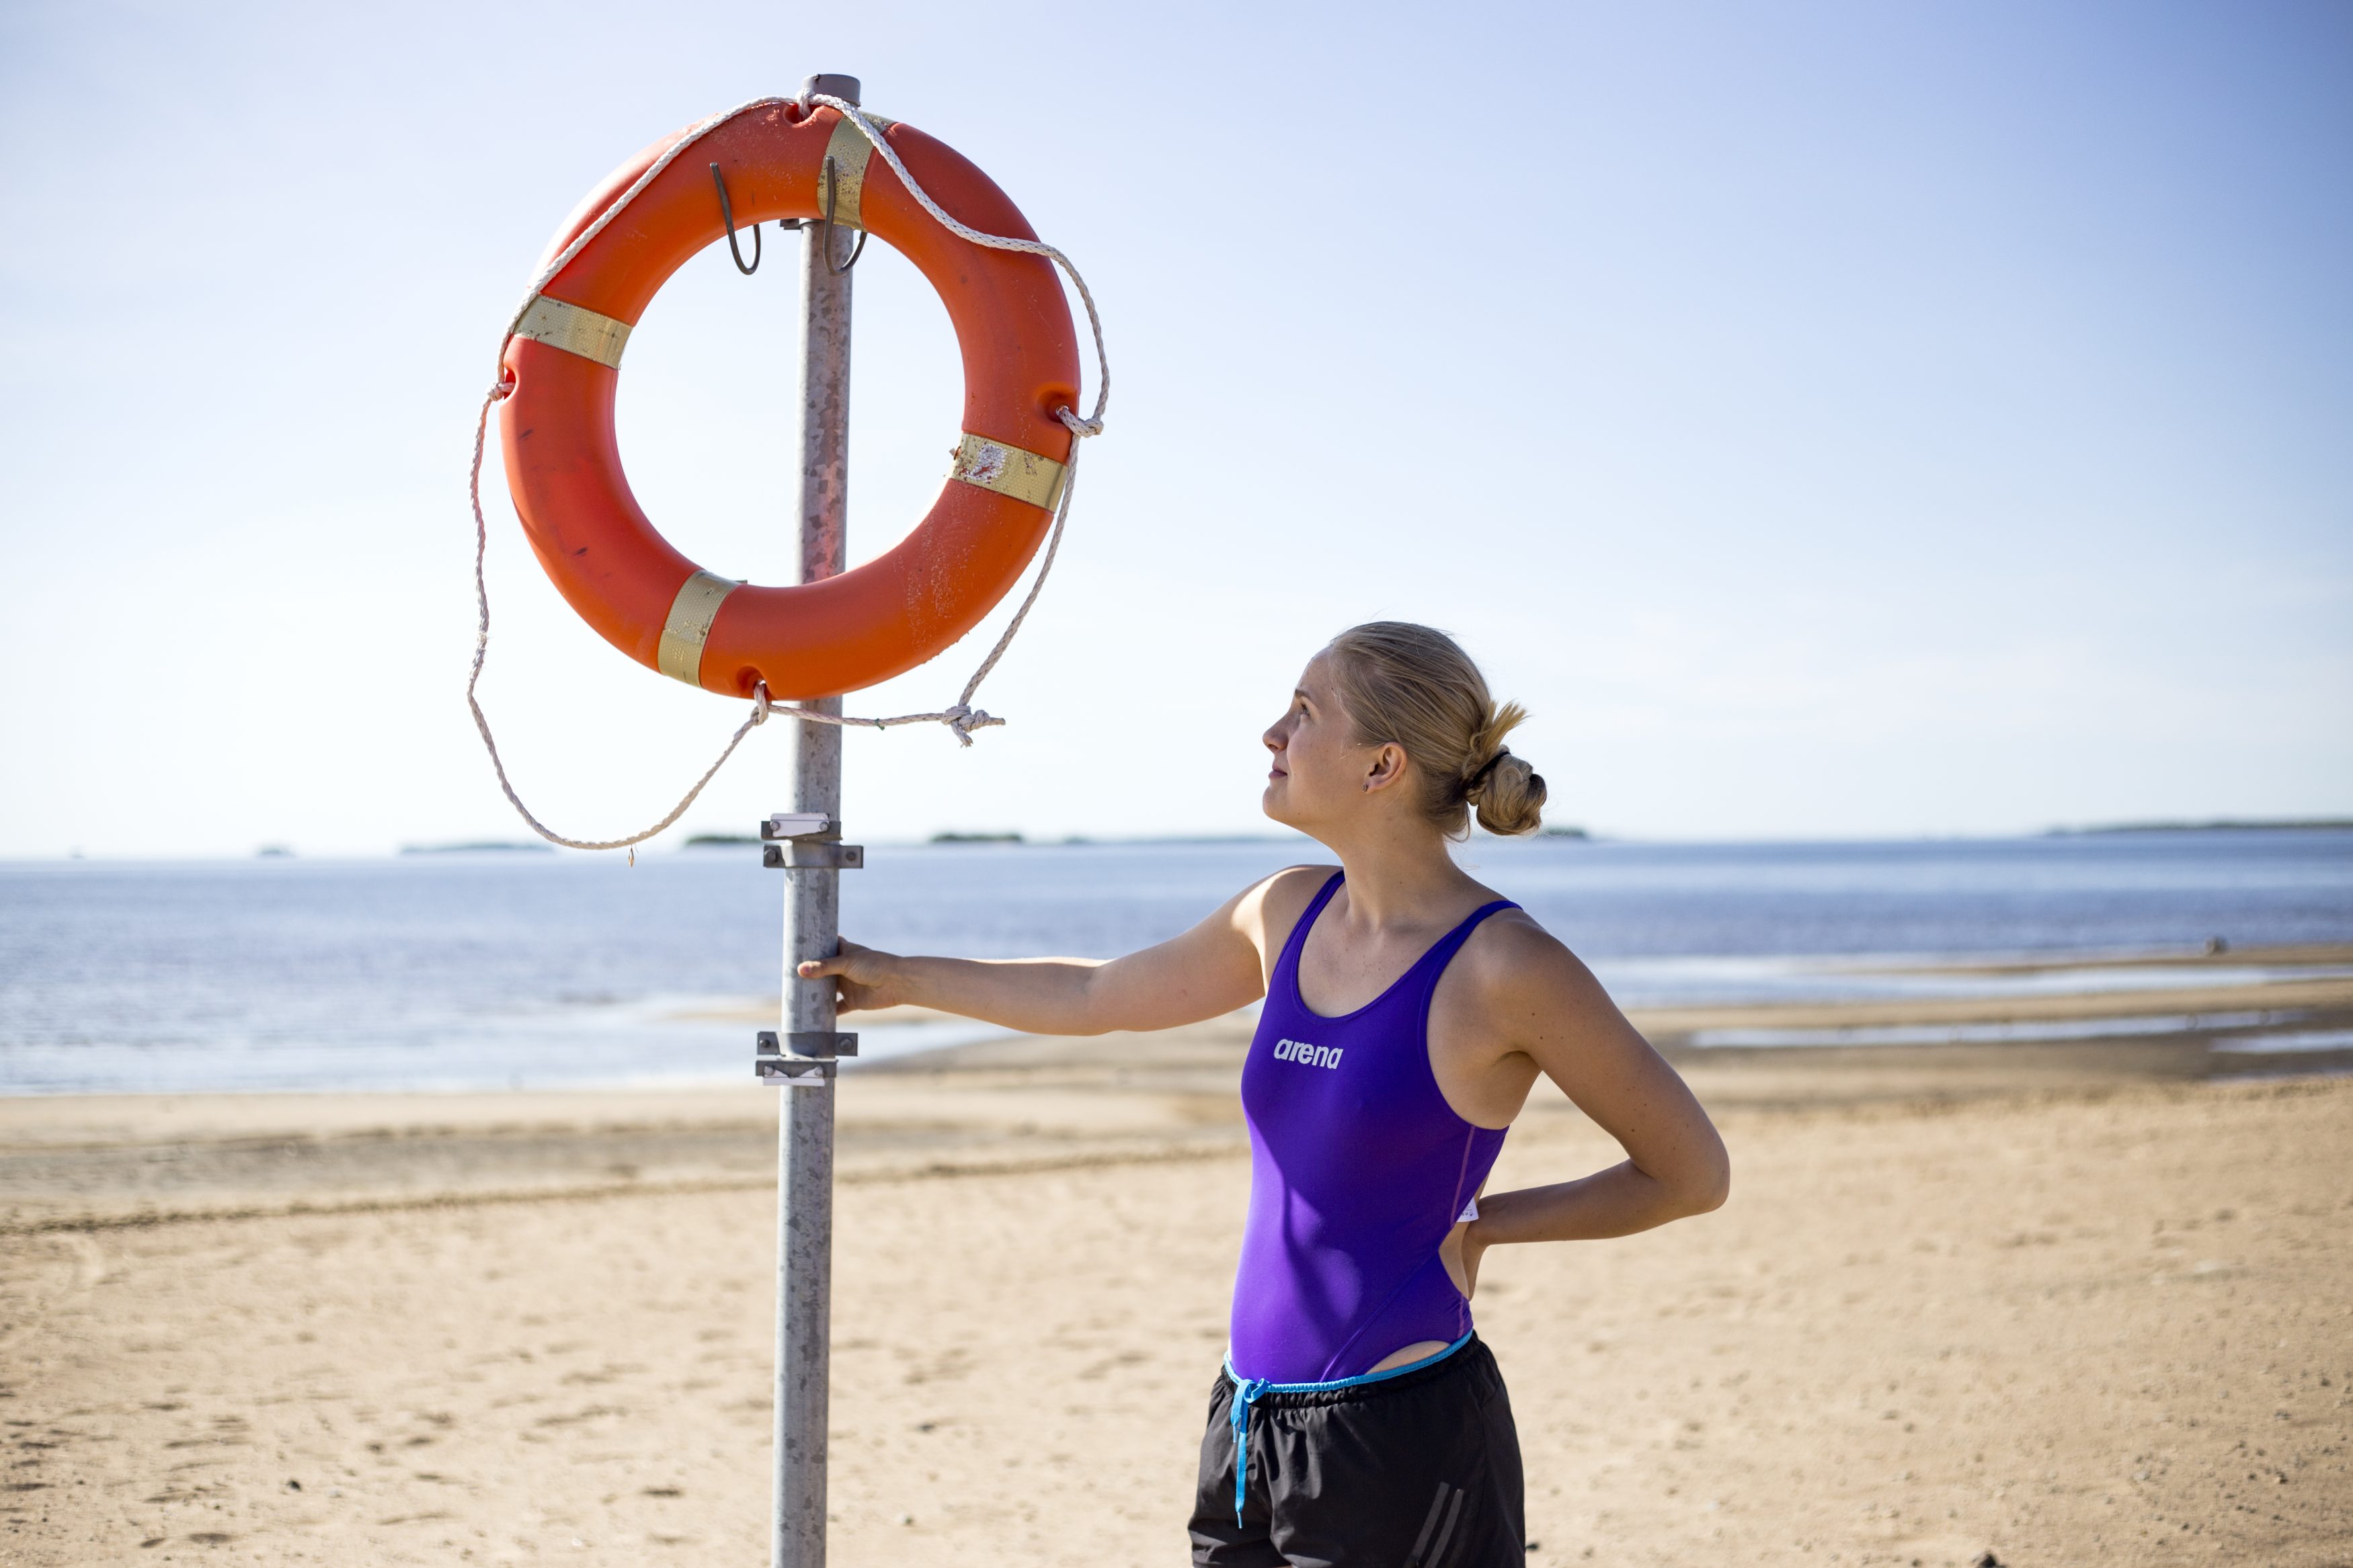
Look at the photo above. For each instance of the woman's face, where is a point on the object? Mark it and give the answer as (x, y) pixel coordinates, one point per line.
(1319, 770)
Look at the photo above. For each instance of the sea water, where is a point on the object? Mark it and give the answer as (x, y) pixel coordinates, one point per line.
(497, 969)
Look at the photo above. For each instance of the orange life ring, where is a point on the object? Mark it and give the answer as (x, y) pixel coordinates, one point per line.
(875, 621)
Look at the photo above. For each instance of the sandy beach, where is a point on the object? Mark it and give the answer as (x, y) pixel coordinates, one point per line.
(2068, 1304)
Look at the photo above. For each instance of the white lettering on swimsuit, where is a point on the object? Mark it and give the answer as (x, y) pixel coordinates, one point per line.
(1306, 1055)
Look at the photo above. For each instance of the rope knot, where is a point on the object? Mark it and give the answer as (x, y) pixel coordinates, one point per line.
(760, 703)
(1077, 426)
(965, 718)
(502, 389)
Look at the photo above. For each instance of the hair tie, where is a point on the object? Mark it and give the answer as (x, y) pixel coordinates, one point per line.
(1472, 786)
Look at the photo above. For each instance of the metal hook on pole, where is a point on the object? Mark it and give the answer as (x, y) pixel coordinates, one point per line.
(727, 216)
(832, 178)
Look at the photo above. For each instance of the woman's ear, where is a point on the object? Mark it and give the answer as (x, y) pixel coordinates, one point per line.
(1387, 766)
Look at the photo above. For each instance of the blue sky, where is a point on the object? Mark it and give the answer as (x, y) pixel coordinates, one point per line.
(1829, 419)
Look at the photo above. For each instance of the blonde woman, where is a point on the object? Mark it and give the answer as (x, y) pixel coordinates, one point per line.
(1409, 1010)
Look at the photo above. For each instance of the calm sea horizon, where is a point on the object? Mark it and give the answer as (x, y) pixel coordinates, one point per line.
(476, 970)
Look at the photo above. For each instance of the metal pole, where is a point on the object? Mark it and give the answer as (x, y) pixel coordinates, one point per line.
(812, 930)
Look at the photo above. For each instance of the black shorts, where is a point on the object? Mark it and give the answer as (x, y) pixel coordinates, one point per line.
(1417, 1472)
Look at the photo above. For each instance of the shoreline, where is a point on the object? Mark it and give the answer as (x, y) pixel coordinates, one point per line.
(2198, 997)
(1028, 1102)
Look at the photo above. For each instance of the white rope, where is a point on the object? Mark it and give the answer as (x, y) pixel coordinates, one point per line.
(761, 707)
(961, 715)
(1092, 424)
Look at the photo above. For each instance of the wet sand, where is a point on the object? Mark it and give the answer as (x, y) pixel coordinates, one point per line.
(2073, 1304)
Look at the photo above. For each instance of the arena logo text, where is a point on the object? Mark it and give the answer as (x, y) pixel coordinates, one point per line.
(1308, 1056)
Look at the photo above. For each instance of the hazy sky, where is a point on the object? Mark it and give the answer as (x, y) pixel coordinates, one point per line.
(1829, 419)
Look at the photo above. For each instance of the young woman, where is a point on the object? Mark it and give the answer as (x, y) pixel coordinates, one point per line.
(1409, 1010)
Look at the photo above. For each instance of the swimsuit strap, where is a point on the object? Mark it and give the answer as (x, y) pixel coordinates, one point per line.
(1436, 957)
(1436, 960)
(1297, 940)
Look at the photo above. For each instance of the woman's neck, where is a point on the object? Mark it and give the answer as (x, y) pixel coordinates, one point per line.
(1401, 878)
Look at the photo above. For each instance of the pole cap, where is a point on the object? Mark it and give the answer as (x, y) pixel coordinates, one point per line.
(841, 87)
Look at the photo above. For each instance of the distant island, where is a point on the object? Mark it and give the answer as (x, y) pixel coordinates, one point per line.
(701, 840)
(2220, 824)
(508, 846)
(977, 838)
(1564, 833)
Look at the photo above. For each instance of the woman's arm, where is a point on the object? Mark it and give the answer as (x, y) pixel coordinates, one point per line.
(1536, 996)
(1210, 970)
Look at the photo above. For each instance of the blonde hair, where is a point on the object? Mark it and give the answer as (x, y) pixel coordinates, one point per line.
(1414, 687)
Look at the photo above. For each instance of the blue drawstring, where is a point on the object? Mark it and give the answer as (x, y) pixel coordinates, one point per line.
(1247, 1389)
(1245, 1394)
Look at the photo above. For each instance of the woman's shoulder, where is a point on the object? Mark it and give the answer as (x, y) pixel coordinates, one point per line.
(1272, 905)
(1286, 895)
(1302, 880)
(1511, 957)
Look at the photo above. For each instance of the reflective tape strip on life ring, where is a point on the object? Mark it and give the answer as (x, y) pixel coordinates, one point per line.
(1020, 360)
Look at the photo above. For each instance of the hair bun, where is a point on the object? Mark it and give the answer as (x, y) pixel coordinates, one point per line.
(1508, 794)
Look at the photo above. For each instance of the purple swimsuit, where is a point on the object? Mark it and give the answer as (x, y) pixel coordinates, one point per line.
(1358, 1171)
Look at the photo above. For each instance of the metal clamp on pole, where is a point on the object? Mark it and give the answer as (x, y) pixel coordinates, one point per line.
(802, 854)
(808, 1043)
(807, 841)
(795, 1072)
